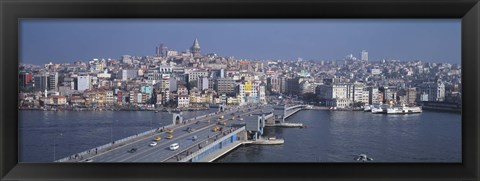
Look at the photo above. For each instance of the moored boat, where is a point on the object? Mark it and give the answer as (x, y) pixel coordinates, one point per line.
(367, 108)
(404, 110)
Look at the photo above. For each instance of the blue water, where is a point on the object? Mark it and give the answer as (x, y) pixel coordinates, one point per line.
(340, 136)
(45, 135)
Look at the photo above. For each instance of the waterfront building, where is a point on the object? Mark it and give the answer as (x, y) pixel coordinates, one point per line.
(159, 99)
(411, 96)
(359, 93)
(25, 79)
(41, 82)
(434, 90)
(56, 100)
(77, 101)
(110, 98)
(374, 96)
(183, 101)
(148, 90)
(53, 81)
(83, 83)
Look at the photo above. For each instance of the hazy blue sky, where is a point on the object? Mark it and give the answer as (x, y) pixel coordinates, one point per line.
(59, 41)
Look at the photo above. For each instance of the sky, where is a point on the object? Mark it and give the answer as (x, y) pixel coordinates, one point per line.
(68, 40)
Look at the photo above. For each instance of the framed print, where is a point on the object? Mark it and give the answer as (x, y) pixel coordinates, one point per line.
(239, 90)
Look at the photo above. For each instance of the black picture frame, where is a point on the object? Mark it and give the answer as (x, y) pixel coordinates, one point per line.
(11, 11)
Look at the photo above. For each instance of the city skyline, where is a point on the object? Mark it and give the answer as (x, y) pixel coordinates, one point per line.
(63, 41)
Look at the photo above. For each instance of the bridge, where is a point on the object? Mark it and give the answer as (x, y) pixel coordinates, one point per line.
(200, 139)
(282, 112)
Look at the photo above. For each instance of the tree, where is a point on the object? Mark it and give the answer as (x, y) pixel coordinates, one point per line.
(358, 104)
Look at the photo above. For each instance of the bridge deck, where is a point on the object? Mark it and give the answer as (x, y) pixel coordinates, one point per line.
(202, 129)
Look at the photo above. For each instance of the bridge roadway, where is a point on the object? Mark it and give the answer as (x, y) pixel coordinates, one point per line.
(161, 152)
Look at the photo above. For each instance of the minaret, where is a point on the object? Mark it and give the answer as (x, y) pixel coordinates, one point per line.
(195, 48)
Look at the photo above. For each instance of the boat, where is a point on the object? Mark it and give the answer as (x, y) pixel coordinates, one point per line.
(404, 110)
(377, 110)
(414, 109)
(381, 109)
(367, 108)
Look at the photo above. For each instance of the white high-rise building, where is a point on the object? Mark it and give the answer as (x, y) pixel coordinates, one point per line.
(83, 83)
(364, 55)
(202, 83)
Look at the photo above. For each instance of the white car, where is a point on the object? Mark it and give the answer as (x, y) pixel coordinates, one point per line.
(153, 144)
(174, 146)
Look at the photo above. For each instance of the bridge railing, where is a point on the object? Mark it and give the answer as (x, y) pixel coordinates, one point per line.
(123, 140)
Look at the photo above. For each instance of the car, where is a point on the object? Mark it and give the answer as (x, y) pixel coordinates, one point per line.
(157, 138)
(174, 146)
(89, 160)
(190, 129)
(216, 128)
(194, 138)
(169, 136)
(222, 123)
(170, 131)
(133, 150)
(153, 143)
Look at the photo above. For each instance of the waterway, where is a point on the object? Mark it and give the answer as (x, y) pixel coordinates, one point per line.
(45, 136)
(329, 137)
(339, 136)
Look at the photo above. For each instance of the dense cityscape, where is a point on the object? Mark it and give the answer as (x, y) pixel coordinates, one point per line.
(192, 80)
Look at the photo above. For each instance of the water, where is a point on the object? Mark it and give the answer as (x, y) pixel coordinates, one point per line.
(329, 136)
(340, 136)
(76, 131)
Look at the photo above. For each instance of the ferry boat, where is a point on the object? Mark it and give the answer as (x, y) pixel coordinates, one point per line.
(404, 110)
(380, 109)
